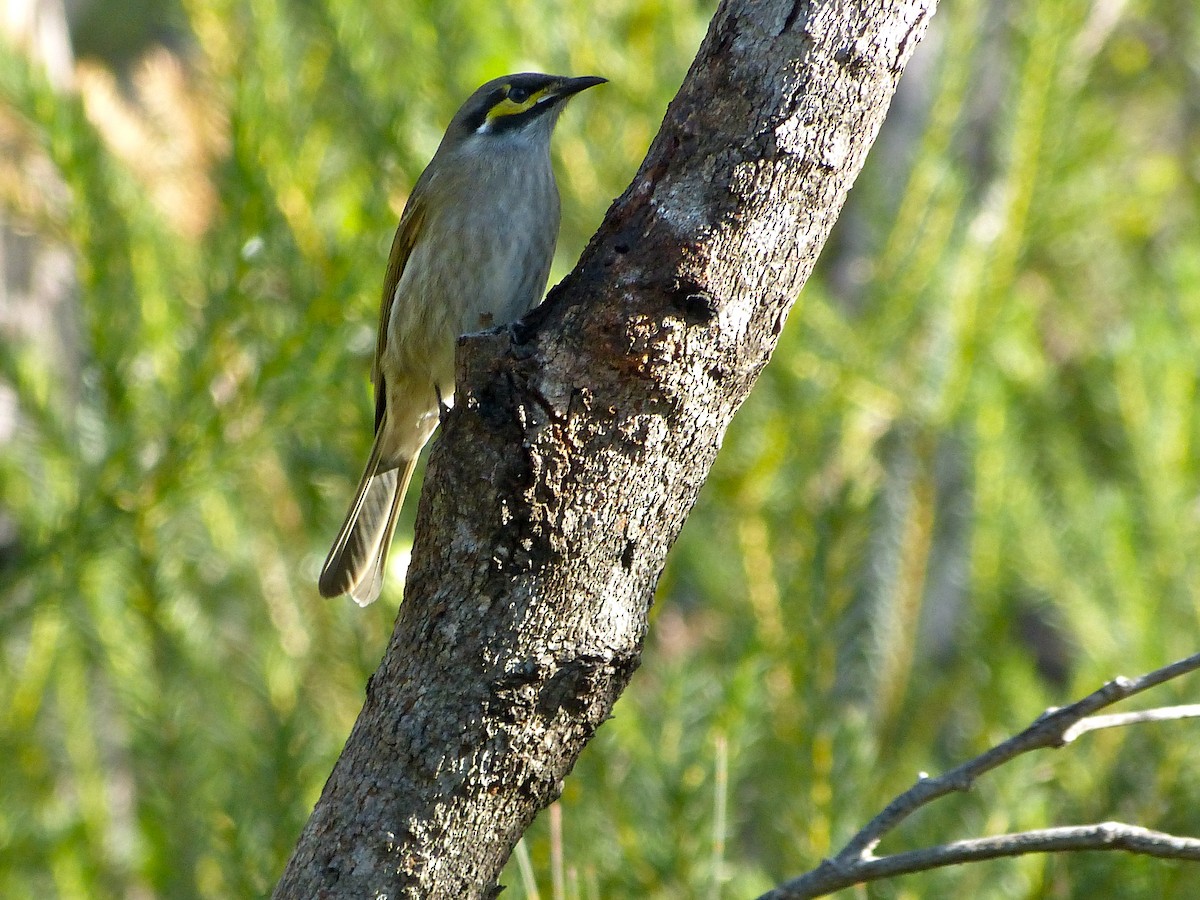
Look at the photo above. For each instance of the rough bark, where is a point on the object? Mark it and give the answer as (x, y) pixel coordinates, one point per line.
(577, 448)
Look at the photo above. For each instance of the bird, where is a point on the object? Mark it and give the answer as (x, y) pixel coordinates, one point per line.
(472, 252)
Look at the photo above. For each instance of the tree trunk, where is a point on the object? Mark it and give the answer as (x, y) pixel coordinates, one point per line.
(578, 445)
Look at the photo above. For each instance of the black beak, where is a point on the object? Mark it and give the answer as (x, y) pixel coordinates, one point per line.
(568, 87)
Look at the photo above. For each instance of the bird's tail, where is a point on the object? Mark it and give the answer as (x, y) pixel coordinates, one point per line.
(357, 562)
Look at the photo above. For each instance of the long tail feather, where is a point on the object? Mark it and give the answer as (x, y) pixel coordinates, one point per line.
(358, 558)
(371, 583)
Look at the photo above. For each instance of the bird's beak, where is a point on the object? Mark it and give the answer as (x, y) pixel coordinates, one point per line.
(568, 87)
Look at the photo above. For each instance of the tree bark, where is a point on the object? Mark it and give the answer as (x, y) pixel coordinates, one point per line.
(577, 447)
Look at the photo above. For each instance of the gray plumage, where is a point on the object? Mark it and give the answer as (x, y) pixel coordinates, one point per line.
(472, 251)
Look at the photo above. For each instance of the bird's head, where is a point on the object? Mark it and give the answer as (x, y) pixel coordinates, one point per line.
(527, 103)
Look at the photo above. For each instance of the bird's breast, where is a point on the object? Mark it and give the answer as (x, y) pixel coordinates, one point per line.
(482, 260)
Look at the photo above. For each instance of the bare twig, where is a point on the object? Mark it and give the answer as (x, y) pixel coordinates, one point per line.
(856, 862)
(1118, 720)
(832, 875)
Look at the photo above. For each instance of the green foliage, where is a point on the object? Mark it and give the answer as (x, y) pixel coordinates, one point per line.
(964, 490)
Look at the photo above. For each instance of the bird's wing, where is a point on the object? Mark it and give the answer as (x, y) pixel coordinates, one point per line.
(406, 237)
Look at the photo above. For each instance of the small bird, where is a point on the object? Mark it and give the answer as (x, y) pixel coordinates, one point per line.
(472, 252)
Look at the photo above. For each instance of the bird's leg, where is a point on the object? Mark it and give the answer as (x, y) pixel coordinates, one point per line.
(443, 408)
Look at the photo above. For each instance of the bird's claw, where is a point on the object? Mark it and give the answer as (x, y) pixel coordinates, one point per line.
(518, 340)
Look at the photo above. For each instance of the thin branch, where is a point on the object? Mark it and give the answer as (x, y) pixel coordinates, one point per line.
(1055, 728)
(1048, 731)
(831, 875)
(1119, 720)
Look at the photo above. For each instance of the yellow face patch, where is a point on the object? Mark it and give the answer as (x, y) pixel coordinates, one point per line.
(510, 107)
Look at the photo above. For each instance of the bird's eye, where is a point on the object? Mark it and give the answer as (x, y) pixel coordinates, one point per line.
(518, 94)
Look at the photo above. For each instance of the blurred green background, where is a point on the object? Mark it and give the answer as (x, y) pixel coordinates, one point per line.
(966, 488)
